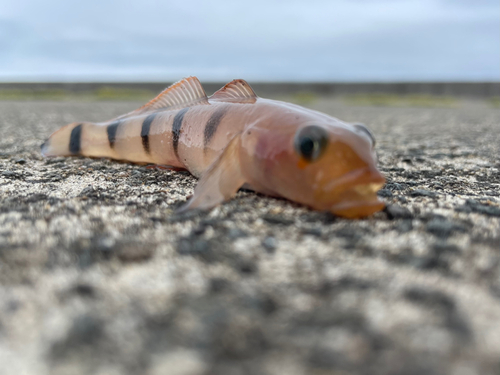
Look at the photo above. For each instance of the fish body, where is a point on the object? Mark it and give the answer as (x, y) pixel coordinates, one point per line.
(235, 139)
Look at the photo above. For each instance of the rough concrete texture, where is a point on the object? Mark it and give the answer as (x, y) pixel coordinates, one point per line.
(98, 275)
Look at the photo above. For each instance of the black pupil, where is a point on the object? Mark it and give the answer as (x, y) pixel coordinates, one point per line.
(306, 147)
(310, 142)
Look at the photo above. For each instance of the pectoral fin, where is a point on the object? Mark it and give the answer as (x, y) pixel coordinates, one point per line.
(220, 182)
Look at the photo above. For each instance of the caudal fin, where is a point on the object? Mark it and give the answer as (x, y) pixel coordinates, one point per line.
(64, 142)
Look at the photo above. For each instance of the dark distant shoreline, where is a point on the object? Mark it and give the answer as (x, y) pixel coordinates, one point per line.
(459, 89)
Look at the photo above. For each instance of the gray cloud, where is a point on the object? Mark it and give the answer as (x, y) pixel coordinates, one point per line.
(281, 40)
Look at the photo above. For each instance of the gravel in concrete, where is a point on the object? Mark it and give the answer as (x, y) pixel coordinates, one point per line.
(98, 275)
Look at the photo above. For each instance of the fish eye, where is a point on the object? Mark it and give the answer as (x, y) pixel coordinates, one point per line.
(310, 142)
(365, 130)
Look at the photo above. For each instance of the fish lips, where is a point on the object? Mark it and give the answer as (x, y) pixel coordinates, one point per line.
(358, 207)
(354, 194)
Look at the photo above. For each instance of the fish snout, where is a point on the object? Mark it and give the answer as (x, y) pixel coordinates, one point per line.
(354, 194)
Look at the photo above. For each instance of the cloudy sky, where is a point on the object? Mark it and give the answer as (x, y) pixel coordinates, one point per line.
(263, 40)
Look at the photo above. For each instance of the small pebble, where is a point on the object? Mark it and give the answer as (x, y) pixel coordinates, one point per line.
(269, 244)
(422, 193)
(397, 212)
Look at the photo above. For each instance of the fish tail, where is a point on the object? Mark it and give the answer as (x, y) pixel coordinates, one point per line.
(77, 138)
(65, 141)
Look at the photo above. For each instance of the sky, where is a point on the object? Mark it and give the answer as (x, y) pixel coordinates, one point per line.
(258, 40)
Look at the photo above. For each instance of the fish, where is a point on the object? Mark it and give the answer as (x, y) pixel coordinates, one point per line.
(235, 139)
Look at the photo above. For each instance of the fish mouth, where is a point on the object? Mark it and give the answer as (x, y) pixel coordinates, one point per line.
(356, 193)
(359, 201)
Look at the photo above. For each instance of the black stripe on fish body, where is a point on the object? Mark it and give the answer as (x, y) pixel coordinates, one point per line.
(212, 125)
(146, 126)
(75, 140)
(112, 129)
(176, 129)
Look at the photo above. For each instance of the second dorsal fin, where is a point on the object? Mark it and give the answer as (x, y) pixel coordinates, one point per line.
(237, 91)
(185, 93)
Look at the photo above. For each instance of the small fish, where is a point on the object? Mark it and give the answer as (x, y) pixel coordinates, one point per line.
(235, 139)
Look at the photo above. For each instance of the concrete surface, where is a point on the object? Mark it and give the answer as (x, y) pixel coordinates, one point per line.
(99, 276)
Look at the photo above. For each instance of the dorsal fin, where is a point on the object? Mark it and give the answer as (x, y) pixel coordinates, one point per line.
(184, 93)
(237, 91)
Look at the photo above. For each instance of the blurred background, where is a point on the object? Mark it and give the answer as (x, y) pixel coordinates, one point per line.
(279, 41)
(292, 50)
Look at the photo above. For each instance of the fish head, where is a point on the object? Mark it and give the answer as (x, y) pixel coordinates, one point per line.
(327, 166)
(340, 166)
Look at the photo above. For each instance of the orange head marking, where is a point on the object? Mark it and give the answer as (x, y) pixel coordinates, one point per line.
(342, 166)
(324, 163)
